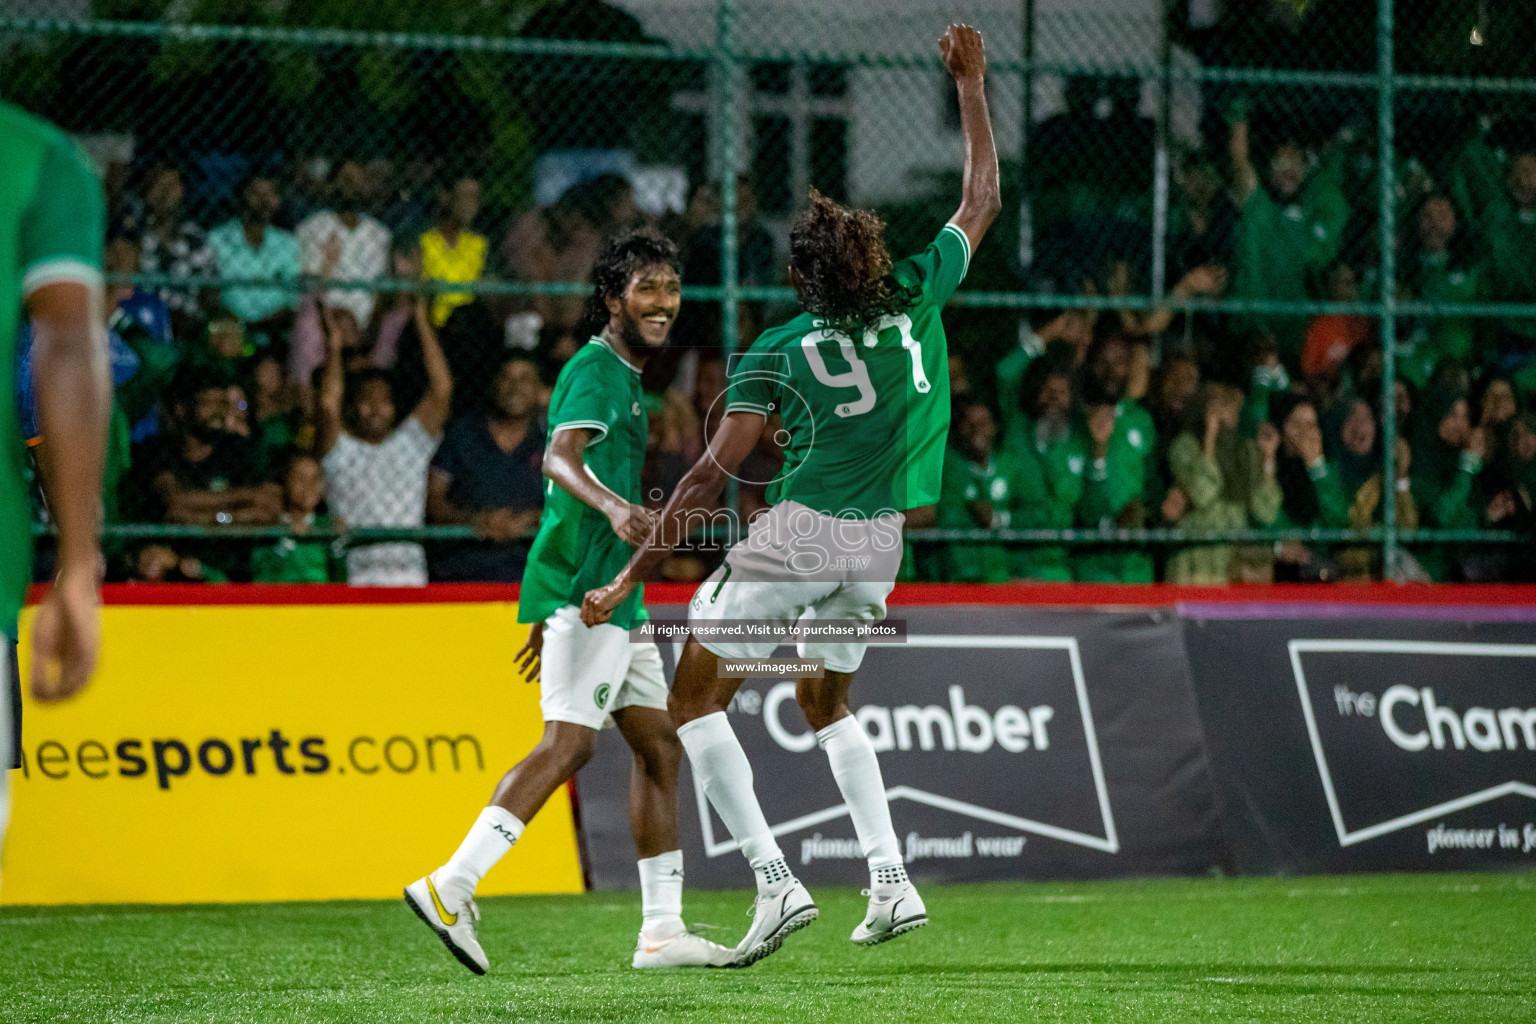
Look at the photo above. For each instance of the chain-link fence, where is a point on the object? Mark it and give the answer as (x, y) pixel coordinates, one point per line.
(1282, 248)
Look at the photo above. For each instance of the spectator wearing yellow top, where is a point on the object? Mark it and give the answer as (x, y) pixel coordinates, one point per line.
(451, 252)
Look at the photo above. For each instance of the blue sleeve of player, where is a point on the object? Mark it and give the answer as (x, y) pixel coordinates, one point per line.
(124, 362)
(26, 397)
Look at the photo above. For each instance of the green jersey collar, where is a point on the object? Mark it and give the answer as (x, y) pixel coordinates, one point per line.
(595, 340)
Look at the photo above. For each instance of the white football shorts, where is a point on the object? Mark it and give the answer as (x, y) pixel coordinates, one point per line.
(586, 673)
(797, 563)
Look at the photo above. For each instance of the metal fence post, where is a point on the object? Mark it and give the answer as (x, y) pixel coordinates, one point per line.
(727, 123)
(1026, 238)
(1388, 197)
(1161, 163)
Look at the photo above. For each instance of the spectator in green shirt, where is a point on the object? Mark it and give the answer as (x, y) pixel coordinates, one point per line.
(1438, 267)
(1509, 231)
(1448, 456)
(1110, 364)
(277, 423)
(1351, 444)
(1046, 456)
(1362, 380)
(1311, 490)
(975, 494)
(1228, 481)
(1069, 331)
(1290, 229)
(295, 559)
(220, 347)
(1122, 444)
(1476, 175)
(1170, 395)
(1267, 377)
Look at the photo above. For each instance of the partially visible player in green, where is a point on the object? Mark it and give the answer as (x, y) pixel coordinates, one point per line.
(593, 517)
(861, 381)
(52, 226)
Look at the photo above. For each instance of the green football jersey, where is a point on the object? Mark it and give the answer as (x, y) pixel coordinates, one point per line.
(576, 549)
(52, 228)
(965, 482)
(864, 421)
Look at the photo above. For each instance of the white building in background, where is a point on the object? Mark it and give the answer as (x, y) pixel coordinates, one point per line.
(899, 121)
(874, 130)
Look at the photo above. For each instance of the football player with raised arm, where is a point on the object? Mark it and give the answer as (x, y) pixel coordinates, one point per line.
(861, 381)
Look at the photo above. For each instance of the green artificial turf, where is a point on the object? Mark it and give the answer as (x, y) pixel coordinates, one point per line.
(1383, 948)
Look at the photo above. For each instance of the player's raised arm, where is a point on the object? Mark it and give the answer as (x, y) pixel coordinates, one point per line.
(565, 465)
(332, 385)
(699, 488)
(432, 411)
(981, 197)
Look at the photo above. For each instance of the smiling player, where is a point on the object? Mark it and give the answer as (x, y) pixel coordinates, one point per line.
(592, 518)
(861, 381)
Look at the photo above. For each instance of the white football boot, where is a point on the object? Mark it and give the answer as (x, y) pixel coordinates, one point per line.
(774, 917)
(685, 949)
(893, 910)
(458, 930)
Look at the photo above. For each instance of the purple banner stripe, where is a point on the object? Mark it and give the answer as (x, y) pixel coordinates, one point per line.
(1324, 610)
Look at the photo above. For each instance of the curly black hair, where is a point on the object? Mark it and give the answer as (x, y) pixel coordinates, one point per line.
(845, 270)
(620, 258)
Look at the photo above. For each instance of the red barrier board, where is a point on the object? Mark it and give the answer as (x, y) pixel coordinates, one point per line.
(1028, 594)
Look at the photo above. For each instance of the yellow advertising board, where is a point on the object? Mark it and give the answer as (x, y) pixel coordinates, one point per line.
(279, 752)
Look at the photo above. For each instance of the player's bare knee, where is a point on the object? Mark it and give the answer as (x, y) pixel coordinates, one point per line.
(681, 709)
(660, 757)
(666, 755)
(685, 708)
(821, 704)
(581, 750)
(570, 748)
(821, 716)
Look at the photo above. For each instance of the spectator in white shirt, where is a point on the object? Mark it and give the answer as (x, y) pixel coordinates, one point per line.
(376, 472)
(346, 244)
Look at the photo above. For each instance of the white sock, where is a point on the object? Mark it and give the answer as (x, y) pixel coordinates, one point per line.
(661, 895)
(721, 765)
(489, 839)
(857, 772)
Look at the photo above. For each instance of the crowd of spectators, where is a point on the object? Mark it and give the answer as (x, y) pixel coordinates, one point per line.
(266, 381)
(263, 379)
(1267, 420)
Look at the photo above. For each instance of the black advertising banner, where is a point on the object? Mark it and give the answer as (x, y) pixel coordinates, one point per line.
(1015, 743)
(1370, 744)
